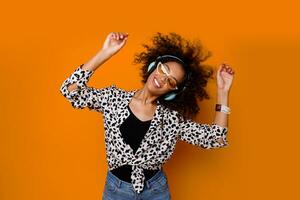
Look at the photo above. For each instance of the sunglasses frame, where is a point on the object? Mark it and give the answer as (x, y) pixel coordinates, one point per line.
(165, 73)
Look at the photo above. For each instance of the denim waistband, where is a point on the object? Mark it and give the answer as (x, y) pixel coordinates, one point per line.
(158, 176)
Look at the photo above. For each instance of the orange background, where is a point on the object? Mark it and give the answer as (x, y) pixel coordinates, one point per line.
(49, 150)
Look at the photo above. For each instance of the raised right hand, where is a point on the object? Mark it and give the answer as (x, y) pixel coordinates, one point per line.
(114, 42)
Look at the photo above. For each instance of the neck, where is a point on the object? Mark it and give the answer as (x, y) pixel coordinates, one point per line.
(145, 96)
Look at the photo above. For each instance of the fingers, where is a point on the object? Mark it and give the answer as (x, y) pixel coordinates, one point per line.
(227, 68)
(119, 35)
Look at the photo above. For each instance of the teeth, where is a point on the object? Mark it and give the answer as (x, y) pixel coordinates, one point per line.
(156, 82)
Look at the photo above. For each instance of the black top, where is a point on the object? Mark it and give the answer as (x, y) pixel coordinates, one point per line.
(133, 131)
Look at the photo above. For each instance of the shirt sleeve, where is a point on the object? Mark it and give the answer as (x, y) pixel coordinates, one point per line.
(203, 135)
(96, 99)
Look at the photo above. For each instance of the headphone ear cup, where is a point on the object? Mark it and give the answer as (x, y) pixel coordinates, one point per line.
(151, 66)
(169, 97)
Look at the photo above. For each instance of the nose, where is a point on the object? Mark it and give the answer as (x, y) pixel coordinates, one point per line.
(162, 79)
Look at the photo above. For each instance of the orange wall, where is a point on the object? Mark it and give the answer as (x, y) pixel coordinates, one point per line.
(49, 150)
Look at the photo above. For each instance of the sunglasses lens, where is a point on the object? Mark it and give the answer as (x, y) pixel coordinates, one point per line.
(159, 68)
(172, 83)
(162, 70)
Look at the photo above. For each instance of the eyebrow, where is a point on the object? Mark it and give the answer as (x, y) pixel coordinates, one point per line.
(169, 70)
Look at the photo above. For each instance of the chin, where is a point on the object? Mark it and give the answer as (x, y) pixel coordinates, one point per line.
(155, 91)
(152, 89)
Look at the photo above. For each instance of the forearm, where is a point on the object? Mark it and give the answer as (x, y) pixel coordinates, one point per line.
(96, 61)
(220, 117)
(92, 65)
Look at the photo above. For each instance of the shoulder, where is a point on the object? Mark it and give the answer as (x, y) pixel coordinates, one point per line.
(118, 92)
(114, 88)
(171, 113)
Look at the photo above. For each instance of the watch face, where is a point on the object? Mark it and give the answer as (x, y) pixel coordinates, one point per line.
(218, 107)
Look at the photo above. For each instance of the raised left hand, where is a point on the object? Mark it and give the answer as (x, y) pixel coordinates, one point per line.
(224, 77)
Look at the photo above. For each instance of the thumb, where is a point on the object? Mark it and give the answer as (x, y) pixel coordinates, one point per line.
(219, 70)
(124, 41)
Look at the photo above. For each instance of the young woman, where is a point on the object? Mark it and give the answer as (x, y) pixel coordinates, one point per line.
(143, 125)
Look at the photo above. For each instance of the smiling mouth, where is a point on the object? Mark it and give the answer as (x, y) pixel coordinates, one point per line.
(156, 83)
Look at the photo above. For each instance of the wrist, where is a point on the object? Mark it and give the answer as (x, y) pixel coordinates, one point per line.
(223, 92)
(222, 97)
(105, 53)
(222, 108)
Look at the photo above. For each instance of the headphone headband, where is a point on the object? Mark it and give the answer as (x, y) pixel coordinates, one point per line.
(172, 56)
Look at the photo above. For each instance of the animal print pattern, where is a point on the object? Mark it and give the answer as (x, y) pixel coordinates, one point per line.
(158, 145)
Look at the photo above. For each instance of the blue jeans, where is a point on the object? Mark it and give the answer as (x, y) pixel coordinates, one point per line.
(156, 188)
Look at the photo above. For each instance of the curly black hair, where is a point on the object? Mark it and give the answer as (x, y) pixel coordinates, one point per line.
(193, 54)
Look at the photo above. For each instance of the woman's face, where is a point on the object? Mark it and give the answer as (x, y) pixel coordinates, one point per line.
(157, 83)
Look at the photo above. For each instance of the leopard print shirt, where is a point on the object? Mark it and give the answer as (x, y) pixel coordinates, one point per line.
(159, 142)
